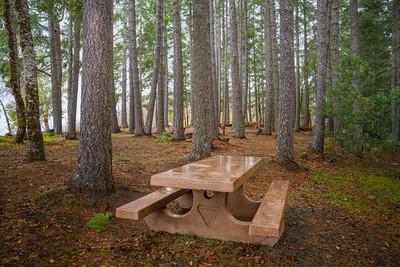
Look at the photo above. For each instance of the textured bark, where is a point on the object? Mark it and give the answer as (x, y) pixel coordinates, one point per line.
(156, 66)
(275, 56)
(136, 111)
(114, 119)
(10, 30)
(160, 95)
(395, 72)
(94, 167)
(201, 81)
(73, 94)
(166, 78)
(317, 143)
(179, 131)
(218, 61)
(34, 133)
(268, 61)
(70, 59)
(334, 61)
(214, 92)
(56, 67)
(284, 147)
(237, 113)
(306, 106)
(298, 101)
(226, 85)
(245, 63)
(125, 45)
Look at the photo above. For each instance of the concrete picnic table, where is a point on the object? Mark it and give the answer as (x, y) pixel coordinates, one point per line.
(212, 191)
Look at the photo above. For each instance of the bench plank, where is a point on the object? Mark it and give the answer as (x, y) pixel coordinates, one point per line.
(268, 220)
(140, 208)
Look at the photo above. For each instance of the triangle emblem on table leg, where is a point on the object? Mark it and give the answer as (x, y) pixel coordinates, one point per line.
(208, 213)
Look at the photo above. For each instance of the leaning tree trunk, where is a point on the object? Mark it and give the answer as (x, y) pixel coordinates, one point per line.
(10, 30)
(136, 110)
(73, 95)
(269, 101)
(237, 114)
(125, 44)
(334, 60)
(306, 111)
(6, 116)
(298, 101)
(284, 146)
(56, 68)
(35, 138)
(156, 67)
(317, 143)
(201, 81)
(94, 167)
(178, 74)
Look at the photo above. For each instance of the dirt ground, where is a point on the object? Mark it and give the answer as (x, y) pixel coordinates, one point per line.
(333, 218)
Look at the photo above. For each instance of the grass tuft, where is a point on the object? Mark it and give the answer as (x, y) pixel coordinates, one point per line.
(69, 253)
(100, 222)
(164, 138)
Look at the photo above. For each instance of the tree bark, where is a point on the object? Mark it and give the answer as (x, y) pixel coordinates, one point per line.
(94, 167)
(334, 60)
(275, 57)
(114, 119)
(166, 78)
(125, 45)
(298, 82)
(284, 147)
(9, 25)
(317, 143)
(201, 81)
(237, 113)
(226, 81)
(156, 66)
(306, 111)
(56, 67)
(395, 72)
(214, 92)
(179, 131)
(34, 133)
(73, 94)
(268, 61)
(132, 40)
(160, 94)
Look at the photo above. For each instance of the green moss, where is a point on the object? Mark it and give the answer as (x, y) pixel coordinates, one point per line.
(100, 222)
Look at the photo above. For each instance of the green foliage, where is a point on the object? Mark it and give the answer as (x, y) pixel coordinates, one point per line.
(164, 138)
(100, 222)
(52, 138)
(121, 159)
(69, 253)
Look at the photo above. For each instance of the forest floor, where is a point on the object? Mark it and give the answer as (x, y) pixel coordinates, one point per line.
(343, 210)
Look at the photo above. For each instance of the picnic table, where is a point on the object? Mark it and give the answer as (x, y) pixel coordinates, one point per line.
(212, 192)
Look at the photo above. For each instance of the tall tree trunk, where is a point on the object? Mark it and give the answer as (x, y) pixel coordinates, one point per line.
(56, 68)
(125, 45)
(201, 81)
(237, 113)
(334, 60)
(306, 111)
(131, 66)
(245, 63)
(73, 95)
(166, 77)
(70, 59)
(269, 101)
(160, 94)
(6, 116)
(317, 143)
(179, 131)
(284, 146)
(156, 66)
(226, 81)
(218, 61)
(34, 133)
(9, 25)
(275, 57)
(298, 99)
(395, 58)
(94, 167)
(214, 92)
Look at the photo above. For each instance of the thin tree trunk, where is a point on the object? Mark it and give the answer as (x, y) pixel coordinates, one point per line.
(306, 106)
(125, 45)
(317, 143)
(218, 62)
(179, 131)
(114, 119)
(226, 81)
(245, 63)
(156, 66)
(269, 101)
(237, 113)
(395, 72)
(284, 146)
(275, 56)
(9, 24)
(298, 82)
(201, 81)
(132, 41)
(334, 60)
(6, 116)
(160, 94)
(94, 167)
(214, 92)
(166, 78)
(34, 133)
(70, 63)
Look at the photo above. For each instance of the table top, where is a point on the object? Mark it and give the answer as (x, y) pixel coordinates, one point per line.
(219, 173)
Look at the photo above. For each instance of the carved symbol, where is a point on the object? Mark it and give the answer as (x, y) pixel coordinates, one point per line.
(208, 213)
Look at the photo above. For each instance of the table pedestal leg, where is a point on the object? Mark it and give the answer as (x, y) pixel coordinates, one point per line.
(211, 218)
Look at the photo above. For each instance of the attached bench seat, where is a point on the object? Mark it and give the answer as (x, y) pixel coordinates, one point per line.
(268, 220)
(140, 208)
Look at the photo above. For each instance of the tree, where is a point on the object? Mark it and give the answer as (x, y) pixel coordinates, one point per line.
(201, 81)
(94, 167)
(179, 131)
(56, 65)
(76, 16)
(34, 133)
(237, 114)
(9, 25)
(125, 36)
(269, 68)
(306, 106)
(395, 58)
(297, 94)
(275, 58)
(160, 93)
(136, 113)
(156, 67)
(284, 147)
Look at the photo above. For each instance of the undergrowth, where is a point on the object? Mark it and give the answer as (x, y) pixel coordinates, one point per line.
(164, 138)
(100, 222)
